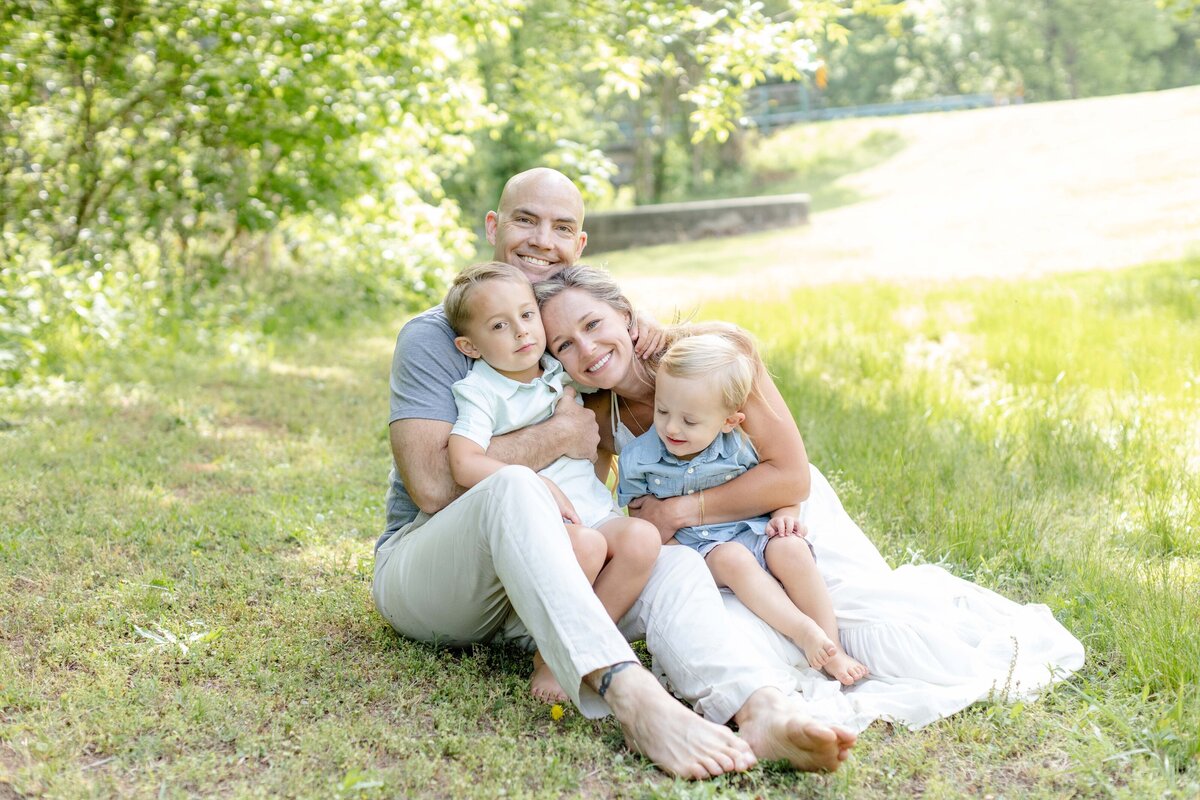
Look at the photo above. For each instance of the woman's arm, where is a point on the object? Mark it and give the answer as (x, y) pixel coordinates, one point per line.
(606, 465)
(780, 479)
(599, 403)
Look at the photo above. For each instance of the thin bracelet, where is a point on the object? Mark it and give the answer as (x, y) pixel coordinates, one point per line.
(606, 678)
(701, 508)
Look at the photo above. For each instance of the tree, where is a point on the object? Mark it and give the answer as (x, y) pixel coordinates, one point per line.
(1045, 50)
(669, 75)
(165, 161)
(142, 141)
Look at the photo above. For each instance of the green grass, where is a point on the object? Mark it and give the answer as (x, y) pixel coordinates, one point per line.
(814, 157)
(1040, 438)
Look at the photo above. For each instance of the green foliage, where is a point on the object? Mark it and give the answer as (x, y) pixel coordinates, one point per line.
(811, 158)
(192, 171)
(1036, 51)
(173, 165)
(153, 153)
(668, 76)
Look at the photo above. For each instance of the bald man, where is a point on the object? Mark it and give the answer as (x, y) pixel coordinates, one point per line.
(494, 563)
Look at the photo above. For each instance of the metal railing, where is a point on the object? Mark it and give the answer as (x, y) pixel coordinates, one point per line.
(789, 115)
(774, 106)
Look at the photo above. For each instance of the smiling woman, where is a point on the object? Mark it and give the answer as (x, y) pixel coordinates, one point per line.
(934, 643)
(592, 339)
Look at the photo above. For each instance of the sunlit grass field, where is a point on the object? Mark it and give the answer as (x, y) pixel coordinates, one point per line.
(185, 556)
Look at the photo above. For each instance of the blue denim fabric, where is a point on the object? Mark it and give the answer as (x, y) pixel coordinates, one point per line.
(646, 467)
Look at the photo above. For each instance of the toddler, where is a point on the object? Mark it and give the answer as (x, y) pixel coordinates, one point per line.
(702, 382)
(513, 384)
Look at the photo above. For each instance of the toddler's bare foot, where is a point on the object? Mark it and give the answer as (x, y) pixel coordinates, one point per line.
(845, 669)
(818, 648)
(543, 685)
(776, 727)
(677, 740)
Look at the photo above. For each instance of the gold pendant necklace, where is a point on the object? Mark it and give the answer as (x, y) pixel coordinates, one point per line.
(632, 417)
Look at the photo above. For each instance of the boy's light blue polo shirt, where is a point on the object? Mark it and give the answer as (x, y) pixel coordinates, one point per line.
(489, 404)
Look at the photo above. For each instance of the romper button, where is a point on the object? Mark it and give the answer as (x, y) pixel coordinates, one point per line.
(691, 470)
(691, 491)
(728, 477)
(658, 480)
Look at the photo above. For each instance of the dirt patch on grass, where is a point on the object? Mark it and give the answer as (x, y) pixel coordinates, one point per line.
(10, 762)
(244, 427)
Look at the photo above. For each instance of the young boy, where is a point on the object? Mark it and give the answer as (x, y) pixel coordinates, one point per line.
(513, 384)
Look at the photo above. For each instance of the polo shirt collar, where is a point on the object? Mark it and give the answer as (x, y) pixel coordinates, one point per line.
(506, 387)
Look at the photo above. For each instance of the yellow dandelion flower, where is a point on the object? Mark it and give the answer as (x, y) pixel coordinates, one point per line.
(556, 712)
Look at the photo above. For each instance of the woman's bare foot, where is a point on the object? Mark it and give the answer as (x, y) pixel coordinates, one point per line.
(776, 727)
(543, 685)
(662, 729)
(818, 648)
(845, 669)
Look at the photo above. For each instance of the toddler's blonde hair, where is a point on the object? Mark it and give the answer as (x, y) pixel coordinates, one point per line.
(715, 358)
(457, 305)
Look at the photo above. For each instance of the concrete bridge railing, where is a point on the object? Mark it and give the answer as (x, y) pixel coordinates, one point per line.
(685, 222)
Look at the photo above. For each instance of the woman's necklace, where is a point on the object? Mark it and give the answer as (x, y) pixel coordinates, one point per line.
(632, 417)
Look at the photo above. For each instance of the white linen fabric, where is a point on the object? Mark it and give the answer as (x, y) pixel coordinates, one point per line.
(496, 564)
(934, 643)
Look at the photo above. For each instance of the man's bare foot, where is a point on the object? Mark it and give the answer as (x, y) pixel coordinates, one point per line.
(845, 669)
(776, 727)
(677, 740)
(818, 648)
(543, 685)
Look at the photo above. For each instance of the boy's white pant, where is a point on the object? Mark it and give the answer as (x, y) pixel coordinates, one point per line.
(496, 564)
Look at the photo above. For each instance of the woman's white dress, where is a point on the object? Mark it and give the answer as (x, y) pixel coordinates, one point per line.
(934, 643)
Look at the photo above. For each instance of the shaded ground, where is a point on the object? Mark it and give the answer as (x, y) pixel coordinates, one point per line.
(1021, 190)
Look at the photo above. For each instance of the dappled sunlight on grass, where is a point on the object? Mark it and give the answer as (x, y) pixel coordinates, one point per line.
(342, 556)
(317, 373)
(1014, 428)
(195, 605)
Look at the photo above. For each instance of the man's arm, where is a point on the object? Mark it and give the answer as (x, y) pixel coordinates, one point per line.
(420, 448)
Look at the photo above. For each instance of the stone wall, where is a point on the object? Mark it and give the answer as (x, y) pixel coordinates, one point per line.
(685, 222)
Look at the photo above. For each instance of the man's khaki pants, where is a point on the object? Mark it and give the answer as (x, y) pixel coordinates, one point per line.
(496, 564)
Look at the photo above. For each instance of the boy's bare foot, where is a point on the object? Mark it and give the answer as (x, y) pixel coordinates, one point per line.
(845, 669)
(543, 685)
(818, 648)
(662, 729)
(776, 727)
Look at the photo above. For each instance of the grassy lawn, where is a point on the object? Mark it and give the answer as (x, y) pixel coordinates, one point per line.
(185, 556)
